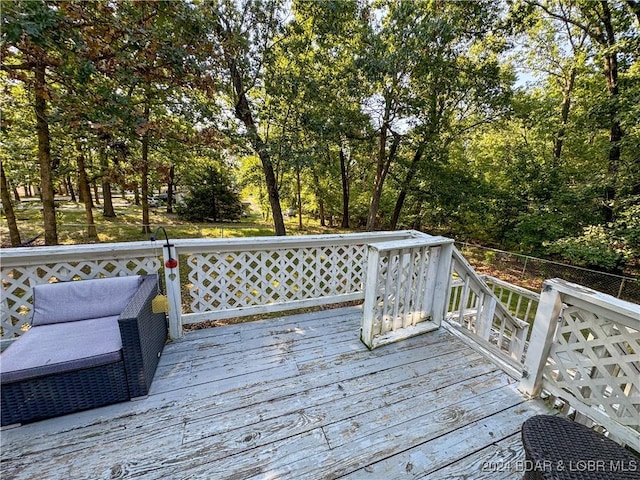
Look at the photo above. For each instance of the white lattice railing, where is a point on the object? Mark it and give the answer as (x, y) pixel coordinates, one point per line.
(216, 278)
(23, 268)
(232, 278)
(585, 349)
(475, 310)
(406, 289)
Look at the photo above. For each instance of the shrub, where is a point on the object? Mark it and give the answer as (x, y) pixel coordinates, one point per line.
(595, 248)
(213, 198)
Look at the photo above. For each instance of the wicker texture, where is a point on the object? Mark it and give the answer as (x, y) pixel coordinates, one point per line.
(559, 449)
(54, 395)
(143, 337)
(144, 334)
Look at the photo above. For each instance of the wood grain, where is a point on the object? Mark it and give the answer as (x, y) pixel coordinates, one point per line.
(293, 397)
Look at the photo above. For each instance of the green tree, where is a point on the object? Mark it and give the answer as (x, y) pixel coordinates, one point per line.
(32, 35)
(605, 24)
(242, 34)
(212, 197)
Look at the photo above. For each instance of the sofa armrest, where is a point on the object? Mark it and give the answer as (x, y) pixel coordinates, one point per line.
(144, 334)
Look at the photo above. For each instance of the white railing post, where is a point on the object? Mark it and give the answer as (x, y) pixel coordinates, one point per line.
(487, 309)
(370, 296)
(542, 335)
(172, 282)
(442, 283)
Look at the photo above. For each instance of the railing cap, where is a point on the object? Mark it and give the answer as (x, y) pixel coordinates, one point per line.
(23, 256)
(572, 291)
(422, 241)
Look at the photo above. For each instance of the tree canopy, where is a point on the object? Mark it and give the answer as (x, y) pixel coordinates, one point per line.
(514, 124)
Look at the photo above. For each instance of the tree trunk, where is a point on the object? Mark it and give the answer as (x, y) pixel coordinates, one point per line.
(321, 212)
(243, 113)
(214, 204)
(299, 195)
(615, 132)
(564, 115)
(72, 192)
(615, 135)
(344, 175)
(85, 193)
(378, 181)
(417, 219)
(318, 193)
(136, 194)
(14, 233)
(172, 173)
(44, 158)
(107, 198)
(413, 169)
(382, 169)
(146, 227)
(96, 193)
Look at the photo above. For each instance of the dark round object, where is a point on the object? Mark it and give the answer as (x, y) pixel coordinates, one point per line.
(559, 449)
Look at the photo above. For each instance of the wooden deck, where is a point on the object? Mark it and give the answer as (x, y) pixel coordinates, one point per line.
(297, 397)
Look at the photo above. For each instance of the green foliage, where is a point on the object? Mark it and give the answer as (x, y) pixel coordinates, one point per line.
(331, 86)
(595, 248)
(212, 198)
(626, 227)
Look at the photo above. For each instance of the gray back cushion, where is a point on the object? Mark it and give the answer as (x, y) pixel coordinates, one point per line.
(82, 299)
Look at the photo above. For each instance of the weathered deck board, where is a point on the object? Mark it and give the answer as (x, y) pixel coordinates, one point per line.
(296, 397)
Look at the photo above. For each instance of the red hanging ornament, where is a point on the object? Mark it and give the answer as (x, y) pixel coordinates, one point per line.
(171, 263)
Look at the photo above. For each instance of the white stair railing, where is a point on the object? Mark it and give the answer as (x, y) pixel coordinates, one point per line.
(522, 303)
(474, 309)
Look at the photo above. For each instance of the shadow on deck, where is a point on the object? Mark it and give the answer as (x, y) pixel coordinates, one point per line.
(298, 397)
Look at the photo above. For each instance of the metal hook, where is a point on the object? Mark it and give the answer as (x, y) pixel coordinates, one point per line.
(171, 262)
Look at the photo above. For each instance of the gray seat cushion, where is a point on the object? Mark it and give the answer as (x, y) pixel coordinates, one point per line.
(62, 347)
(82, 299)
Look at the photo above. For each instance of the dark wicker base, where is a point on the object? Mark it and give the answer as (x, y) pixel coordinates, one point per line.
(559, 449)
(54, 395)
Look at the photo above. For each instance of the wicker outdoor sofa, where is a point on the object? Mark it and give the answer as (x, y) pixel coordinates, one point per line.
(91, 343)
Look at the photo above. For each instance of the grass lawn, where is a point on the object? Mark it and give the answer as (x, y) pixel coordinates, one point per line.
(127, 225)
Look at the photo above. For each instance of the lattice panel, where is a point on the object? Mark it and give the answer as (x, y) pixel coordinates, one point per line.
(385, 270)
(229, 280)
(598, 361)
(18, 283)
(400, 289)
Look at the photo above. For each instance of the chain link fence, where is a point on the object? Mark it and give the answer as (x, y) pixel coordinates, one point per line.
(530, 272)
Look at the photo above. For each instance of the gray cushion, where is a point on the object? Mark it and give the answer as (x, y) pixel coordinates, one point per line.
(62, 347)
(82, 299)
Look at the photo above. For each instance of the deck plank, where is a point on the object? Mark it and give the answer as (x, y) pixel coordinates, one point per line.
(292, 397)
(502, 460)
(372, 445)
(460, 448)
